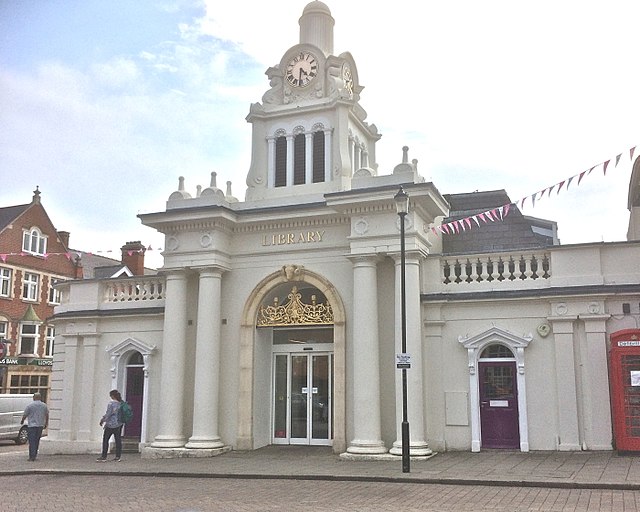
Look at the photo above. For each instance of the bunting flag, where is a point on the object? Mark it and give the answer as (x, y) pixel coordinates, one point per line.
(501, 212)
(70, 255)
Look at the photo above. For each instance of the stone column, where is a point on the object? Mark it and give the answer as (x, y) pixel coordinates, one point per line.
(568, 433)
(415, 396)
(366, 360)
(327, 155)
(595, 388)
(207, 370)
(85, 398)
(68, 395)
(271, 162)
(170, 430)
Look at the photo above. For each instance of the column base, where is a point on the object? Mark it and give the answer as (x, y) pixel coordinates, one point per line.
(416, 449)
(197, 443)
(167, 442)
(149, 452)
(366, 447)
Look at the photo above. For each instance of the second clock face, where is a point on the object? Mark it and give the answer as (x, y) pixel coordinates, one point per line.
(302, 69)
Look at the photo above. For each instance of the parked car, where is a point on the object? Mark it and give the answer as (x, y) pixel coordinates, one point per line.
(11, 410)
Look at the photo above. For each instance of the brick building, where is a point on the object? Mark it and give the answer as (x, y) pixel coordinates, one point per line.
(34, 256)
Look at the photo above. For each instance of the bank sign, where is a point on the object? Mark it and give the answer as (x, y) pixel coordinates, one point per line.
(25, 361)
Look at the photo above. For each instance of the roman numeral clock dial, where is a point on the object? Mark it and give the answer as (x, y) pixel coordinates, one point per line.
(302, 69)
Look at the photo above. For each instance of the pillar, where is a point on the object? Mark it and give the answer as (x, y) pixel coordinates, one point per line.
(207, 370)
(566, 392)
(170, 430)
(366, 360)
(595, 388)
(85, 398)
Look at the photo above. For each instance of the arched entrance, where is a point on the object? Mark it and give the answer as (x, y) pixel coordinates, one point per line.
(130, 360)
(292, 357)
(497, 373)
(498, 388)
(134, 394)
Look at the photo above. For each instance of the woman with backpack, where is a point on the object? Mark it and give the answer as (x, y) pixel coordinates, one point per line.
(112, 426)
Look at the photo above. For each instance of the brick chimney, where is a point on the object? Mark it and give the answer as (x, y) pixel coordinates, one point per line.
(63, 236)
(133, 257)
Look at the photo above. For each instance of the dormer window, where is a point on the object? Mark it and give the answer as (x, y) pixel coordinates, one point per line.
(34, 242)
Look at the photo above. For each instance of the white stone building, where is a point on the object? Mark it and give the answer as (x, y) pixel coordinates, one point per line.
(276, 320)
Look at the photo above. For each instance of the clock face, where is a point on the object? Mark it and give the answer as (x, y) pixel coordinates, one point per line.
(347, 78)
(302, 69)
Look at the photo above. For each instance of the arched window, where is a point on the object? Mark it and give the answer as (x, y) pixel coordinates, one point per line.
(34, 242)
(318, 156)
(281, 162)
(496, 351)
(299, 159)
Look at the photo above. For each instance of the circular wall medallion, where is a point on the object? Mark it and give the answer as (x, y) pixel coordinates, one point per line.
(172, 243)
(361, 226)
(561, 309)
(408, 223)
(206, 240)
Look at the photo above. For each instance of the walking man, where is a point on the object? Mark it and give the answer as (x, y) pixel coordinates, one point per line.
(37, 416)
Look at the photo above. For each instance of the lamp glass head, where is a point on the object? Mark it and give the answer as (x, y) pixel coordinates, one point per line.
(402, 202)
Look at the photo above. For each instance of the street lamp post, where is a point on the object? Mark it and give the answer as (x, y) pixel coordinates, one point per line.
(402, 207)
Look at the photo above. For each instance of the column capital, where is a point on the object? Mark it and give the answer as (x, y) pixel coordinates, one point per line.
(215, 270)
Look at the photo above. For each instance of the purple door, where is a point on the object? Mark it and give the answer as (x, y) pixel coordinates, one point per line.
(135, 390)
(499, 405)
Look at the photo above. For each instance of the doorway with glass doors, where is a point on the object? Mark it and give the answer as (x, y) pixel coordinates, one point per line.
(302, 386)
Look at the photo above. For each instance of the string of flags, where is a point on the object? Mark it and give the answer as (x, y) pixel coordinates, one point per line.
(499, 213)
(450, 228)
(72, 255)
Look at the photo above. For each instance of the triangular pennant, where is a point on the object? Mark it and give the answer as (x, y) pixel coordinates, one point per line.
(631, 153)
(582, 176)
(446, 228)
(604, 167)
(522, 202)
(475, 218)
(3, 257)
(618, 159)
(589, 172)
(550, 190)
(433, 229)
(569, 181)
(495, 214)
(560, 185)
(481, 215)
(468, 221)
(533, 200)
(500, 212)
(507, 207)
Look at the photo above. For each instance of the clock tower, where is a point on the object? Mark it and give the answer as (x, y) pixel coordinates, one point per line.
(309, 134)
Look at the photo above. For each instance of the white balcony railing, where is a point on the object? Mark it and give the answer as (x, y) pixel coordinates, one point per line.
(495, 268)
(134, 289)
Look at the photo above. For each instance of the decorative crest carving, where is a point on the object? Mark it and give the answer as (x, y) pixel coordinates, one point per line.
(295, 312)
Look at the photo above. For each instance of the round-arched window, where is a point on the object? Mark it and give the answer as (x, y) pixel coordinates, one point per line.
(496, 351)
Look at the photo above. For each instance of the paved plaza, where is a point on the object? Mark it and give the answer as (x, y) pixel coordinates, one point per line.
(313, 478)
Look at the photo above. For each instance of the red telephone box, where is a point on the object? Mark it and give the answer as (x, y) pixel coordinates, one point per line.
(624, 365)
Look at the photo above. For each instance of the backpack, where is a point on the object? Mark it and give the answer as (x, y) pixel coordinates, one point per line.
(125, 414)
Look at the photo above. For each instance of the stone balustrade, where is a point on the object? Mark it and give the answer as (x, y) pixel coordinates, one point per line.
(134, 289)
(495, 268)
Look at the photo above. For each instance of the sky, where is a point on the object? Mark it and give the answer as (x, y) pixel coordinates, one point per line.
(103, 105)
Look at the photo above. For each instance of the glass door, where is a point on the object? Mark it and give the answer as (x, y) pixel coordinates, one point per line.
(302, 407)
